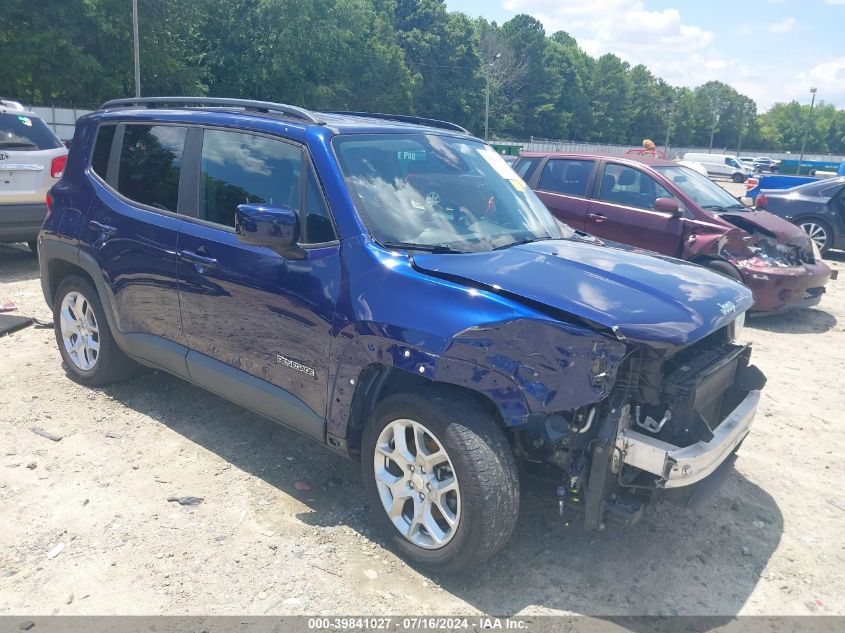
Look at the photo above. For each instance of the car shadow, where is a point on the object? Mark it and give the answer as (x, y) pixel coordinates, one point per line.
(835, 256)
(684, 561)
(17, 263)
(807, 321)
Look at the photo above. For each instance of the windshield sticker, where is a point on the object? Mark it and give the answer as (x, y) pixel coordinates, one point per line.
(25, 120)
(498, 163)
(415, 155)
(517, 184)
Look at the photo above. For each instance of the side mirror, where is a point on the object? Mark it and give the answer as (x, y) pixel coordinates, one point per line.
(667, 205)
(276, 228)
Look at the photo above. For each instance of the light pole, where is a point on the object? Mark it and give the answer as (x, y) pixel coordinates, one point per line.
(487, 68)
(136, 47)
(806, 125)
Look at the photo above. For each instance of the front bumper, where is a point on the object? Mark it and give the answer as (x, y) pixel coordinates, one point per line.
(782, 289)
(21, 222)
(676, 466)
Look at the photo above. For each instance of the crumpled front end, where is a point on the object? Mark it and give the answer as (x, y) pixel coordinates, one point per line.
(668, 430)
(779, 264)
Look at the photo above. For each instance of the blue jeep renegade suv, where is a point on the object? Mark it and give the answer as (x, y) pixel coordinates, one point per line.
(388, 286)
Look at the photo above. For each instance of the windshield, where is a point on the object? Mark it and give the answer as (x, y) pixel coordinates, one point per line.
(441, 193)
(706, 193)
(26, 133)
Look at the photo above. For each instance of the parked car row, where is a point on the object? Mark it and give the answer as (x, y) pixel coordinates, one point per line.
(390, 287)
(670, 209)
(32, 159)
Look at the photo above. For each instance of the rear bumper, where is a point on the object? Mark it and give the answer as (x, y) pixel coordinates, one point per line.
(783, 289)
(21, 222)
(676, 466)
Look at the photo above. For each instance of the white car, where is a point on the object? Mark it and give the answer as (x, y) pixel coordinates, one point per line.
(32, 159)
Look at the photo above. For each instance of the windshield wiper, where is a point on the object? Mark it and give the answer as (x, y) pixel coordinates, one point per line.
(16, 144)
(722, 207)
(527, 240)
(428, 248)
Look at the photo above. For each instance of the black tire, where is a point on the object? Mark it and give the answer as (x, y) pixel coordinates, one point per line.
(33, 246)
(484, 467)
(738, 178)
(805, 225)
(111, 364)
(724, 268)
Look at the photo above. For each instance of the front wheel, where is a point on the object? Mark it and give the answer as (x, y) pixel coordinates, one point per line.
(440, 477)
(724, 268)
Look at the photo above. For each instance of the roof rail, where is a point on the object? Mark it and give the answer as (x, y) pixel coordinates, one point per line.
(246, 104)
(406, 118)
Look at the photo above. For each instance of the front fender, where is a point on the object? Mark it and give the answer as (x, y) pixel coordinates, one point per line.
(523, 366)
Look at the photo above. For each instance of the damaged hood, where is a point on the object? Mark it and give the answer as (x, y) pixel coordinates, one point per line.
(660, 301)
(769, 225)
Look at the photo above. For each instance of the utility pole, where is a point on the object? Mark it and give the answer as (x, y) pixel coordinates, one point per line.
(716, 105)
(669, 126)
(806, 125)
(746, 110)
(487, 68)
(137, 48)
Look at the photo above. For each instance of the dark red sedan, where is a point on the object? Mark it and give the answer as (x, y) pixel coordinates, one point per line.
(665, 207)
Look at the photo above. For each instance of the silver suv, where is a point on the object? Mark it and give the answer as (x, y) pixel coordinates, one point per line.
(32, 159)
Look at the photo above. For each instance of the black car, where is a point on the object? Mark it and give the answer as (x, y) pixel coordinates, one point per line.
(817, 207)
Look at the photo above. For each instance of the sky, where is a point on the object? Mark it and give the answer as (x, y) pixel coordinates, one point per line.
(770, 50)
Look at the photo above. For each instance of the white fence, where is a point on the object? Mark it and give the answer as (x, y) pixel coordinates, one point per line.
(63, 121)
(549, 145)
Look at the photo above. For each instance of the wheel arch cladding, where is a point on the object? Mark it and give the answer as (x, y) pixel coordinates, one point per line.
(522, 366)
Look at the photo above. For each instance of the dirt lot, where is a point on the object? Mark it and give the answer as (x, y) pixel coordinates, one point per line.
(260, 542)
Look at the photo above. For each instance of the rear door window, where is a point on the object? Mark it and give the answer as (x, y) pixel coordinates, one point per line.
(22, 133)
(238, 168)
(570, 177)
(151, 163)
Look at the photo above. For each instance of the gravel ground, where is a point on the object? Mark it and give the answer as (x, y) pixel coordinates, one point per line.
(282, 528)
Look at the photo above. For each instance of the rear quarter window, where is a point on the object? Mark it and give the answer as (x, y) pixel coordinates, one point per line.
(23, 132)
(102, 150)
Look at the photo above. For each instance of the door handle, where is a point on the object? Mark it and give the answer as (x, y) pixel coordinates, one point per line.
(102, 228)
(598, 217)
(198, 258)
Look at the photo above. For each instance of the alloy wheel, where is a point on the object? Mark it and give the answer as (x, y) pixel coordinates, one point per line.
(816, 232)
(80, 332)
(416, 483)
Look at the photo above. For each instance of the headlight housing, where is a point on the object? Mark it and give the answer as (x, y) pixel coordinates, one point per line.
(736, 328)
(817, 254)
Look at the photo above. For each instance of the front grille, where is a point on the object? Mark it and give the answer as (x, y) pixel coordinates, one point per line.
(708, 395)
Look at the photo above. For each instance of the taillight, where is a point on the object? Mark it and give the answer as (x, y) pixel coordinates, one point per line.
(750, 183)
(762, 200)
(58, 166)
(49, 206)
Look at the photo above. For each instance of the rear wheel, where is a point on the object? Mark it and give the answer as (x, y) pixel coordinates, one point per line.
(440, 477)
(85, 342)
(738, 178)
(33, 246)
(819, 231)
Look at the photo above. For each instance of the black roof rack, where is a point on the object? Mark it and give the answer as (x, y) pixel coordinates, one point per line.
(246, 104)
(406, 118)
